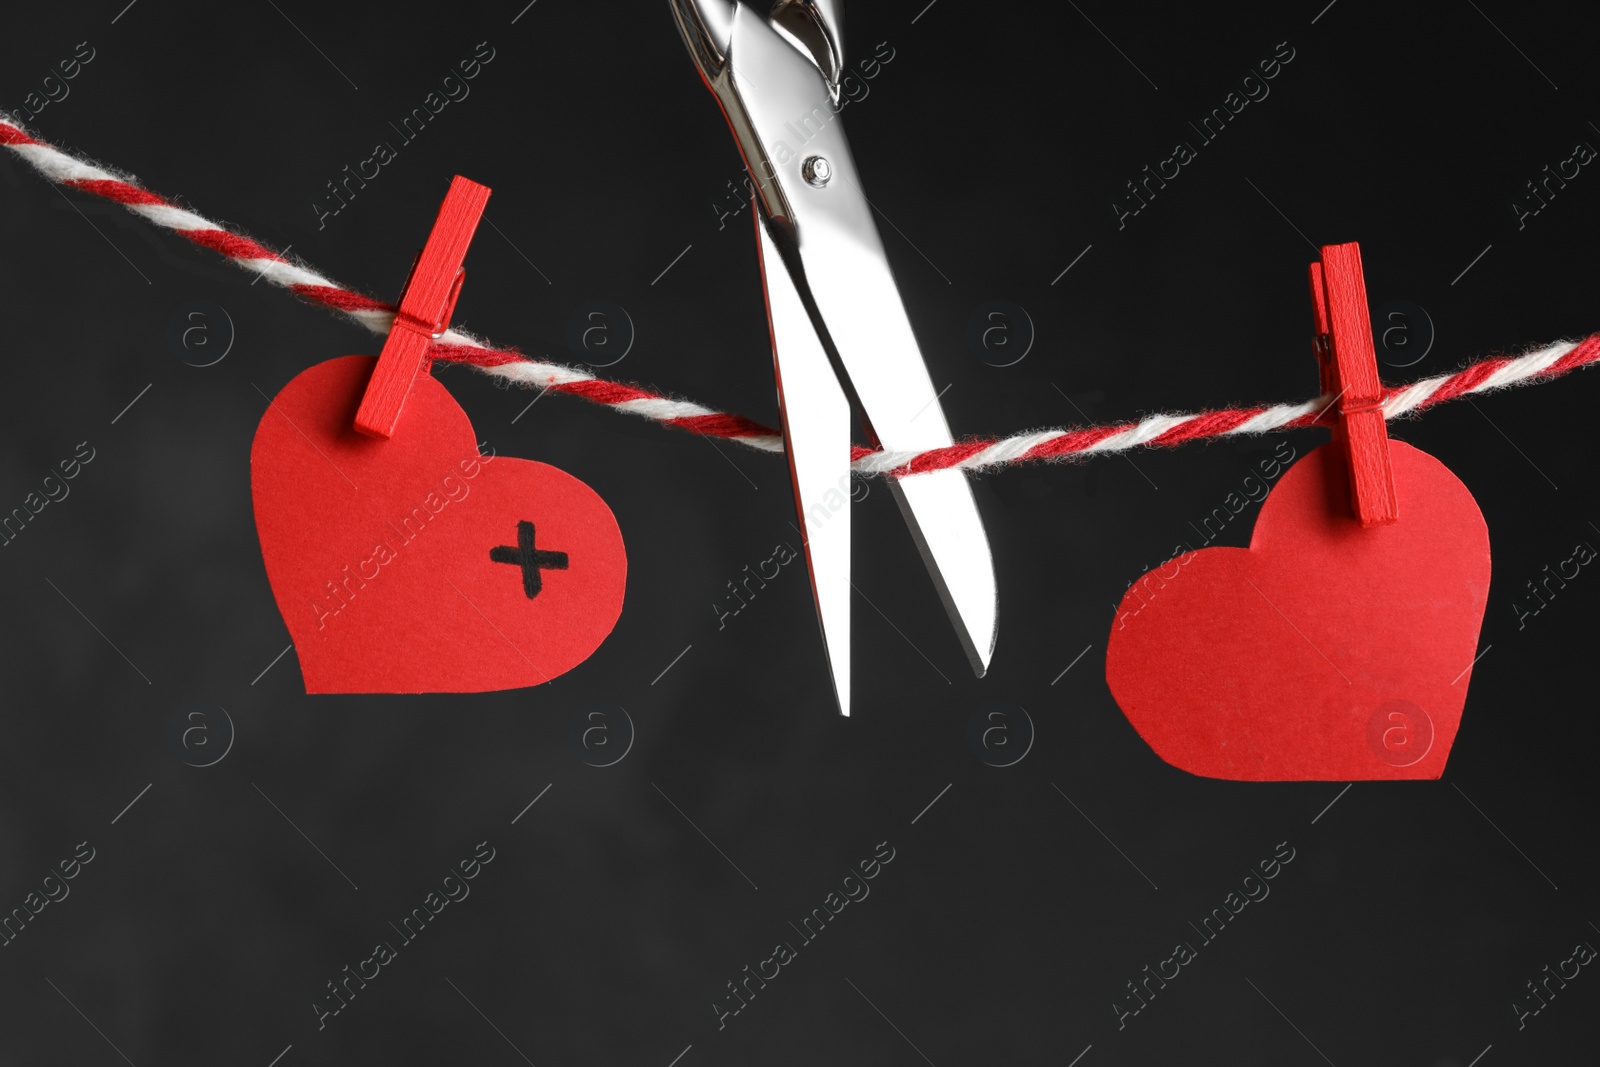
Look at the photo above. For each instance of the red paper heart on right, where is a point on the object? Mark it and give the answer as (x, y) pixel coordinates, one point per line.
(1325, 651)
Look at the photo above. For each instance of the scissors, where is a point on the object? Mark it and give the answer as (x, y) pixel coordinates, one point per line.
(841, 340)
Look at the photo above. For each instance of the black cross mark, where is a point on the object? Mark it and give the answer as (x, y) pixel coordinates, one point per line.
(530, 559)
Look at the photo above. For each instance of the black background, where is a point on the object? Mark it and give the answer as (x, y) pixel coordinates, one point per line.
(606, 927)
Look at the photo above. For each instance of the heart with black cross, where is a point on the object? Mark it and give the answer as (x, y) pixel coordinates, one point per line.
(422, 563)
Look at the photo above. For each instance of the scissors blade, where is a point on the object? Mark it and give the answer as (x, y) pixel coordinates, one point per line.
(862, 317)
(816, 439)
(781, 100)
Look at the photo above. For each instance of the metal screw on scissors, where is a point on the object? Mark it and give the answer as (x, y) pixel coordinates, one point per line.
(842, 343)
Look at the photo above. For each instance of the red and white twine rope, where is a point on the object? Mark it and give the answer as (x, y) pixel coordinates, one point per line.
(457, 346)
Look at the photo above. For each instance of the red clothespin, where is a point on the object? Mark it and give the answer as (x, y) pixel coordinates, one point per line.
(426, 305)
(1349, 366)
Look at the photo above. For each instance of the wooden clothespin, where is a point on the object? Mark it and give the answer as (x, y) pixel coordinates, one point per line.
(426, 305)
(1349, 367)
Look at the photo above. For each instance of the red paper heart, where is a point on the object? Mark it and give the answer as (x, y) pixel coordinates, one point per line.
(379, 552)
(1324, 651)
